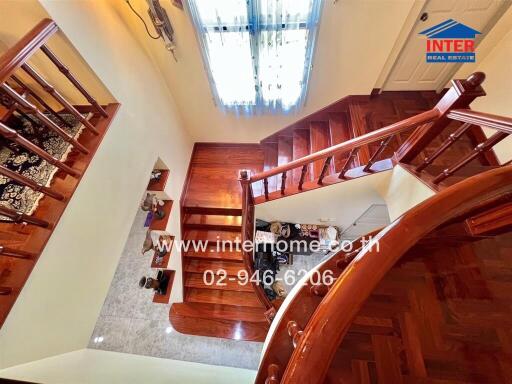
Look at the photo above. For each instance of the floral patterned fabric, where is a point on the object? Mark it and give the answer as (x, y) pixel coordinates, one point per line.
(14, 195)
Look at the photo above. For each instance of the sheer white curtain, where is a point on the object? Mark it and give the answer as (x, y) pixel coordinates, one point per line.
(258, 52)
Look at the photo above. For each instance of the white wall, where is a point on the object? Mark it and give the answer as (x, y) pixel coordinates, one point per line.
(354, 41)
(497, 67)
(402, 191)
(58, 307)
(342, 202)
(89, 366)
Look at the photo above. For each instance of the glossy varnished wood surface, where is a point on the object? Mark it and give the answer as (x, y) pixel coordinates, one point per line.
(322, 338)
(214, 174)
(33, 239)
(212, 208)
(441, 315)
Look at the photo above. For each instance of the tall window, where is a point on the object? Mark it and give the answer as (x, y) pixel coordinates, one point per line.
(257, 52)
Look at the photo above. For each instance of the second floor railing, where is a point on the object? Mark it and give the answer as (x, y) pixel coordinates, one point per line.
(61, 135)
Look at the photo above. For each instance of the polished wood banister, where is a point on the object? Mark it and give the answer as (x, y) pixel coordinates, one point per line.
(23, 180)
(477, 151)
(19, 217)
(11, 134)
(16, 253)
(327, 327)
(43, 118)
(20, 52)
(483, 119)
(57, 96)
(247, 235)
(348, 145)
(446, 144)
(65, 71)
(39, 99)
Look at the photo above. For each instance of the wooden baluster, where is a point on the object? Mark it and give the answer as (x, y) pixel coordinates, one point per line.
(38, 98)
(5, 291)
(283, 182)
(303, 176)
(57, 96)
(477, 151)
(43, 118)
(383, 145)
(325, 168)
(349, 160)
(19, 217)
(265, 187)
(23, 180)
(248, 232)
(273, 374)
(15, 253)
(14, 136)
(447, 144)
(460, 95)
(295, 332)
(55, 60)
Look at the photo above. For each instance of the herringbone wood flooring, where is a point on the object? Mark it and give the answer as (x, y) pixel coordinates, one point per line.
(442, 315)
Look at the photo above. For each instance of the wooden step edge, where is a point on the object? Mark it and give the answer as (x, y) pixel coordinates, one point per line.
(213, 227)
(213, 211)
(219, 311)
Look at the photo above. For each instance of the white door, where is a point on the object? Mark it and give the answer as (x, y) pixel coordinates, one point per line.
(410, 71)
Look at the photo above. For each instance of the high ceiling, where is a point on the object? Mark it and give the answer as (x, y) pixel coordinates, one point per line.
(354, 42)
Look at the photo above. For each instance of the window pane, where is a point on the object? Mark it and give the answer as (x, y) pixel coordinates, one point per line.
(230, 61)
(274, 12)
(281, 64)
(222, 12)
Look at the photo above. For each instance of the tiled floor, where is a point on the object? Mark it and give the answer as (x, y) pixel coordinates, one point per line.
(130, 322)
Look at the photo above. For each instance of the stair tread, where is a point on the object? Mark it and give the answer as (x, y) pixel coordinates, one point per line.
(217, 296)
(219, 311)
(339, 128)
(211, 235)
(232, 268)
(320, 138)
(301, 148)
(270, 162)
(284, 156)
(186, 318)
(198, 280)
(212, 254)
(199, 221)
(189, 209)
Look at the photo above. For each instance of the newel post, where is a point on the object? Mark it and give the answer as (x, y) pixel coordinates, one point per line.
(460, 95)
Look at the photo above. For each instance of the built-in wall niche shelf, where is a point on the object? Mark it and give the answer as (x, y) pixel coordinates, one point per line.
(163, 261)
(164, 299)
(157, 185)
(161, 224)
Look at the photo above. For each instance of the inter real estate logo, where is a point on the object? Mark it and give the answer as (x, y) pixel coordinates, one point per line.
(450, 42)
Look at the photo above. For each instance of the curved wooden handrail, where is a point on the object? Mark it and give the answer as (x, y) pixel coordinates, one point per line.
(325, 331)
(347, 146)
(20, 52)
(302, 306)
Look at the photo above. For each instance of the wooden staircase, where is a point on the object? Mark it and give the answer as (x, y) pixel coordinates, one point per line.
(215, 304)
(346, 140)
